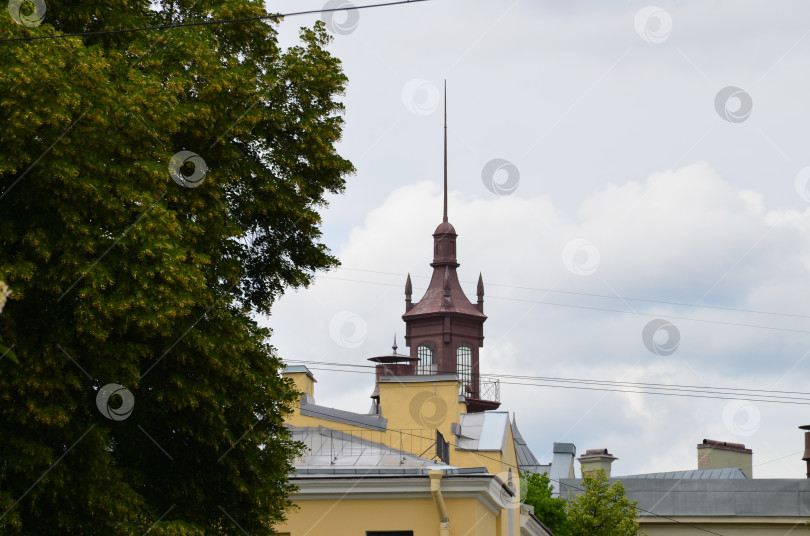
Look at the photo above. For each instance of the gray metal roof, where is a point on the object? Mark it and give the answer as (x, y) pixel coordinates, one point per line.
(695, 474)
(336, 450)
(374, 422)
(289, 369)
(525, 458)
(388, 471)
(713, 496)
(484, 430)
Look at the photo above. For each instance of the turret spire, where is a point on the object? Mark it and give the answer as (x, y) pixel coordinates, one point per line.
(408, 292)
(445, 150)
(480, 292)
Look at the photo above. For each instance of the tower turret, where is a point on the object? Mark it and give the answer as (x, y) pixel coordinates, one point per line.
(444, 330)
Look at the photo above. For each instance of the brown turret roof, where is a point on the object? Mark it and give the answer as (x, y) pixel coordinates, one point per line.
(433, 301)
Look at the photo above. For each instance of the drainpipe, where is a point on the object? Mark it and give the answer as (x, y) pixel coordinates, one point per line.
(436, 491)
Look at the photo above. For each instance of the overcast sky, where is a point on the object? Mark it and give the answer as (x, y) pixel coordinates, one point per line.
(627, 170)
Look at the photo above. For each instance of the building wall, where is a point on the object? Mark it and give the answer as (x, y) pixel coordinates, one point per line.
(353, 517)
(425, 405)
(361, 504)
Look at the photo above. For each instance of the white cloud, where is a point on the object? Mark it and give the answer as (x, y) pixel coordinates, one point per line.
(685, 235)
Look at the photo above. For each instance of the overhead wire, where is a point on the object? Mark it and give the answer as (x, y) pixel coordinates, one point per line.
(593, 295)
(779, 458)
(603, 309)
(347, 7)
(689, 391)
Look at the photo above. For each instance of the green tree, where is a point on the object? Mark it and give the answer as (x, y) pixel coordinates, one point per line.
(603, 510)
(550, 510)
(124, 274)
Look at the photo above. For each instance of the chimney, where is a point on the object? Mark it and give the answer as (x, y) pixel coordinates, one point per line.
(806, 456)
(564, 454)
(716, 454)
(594, 459)
(304, 381)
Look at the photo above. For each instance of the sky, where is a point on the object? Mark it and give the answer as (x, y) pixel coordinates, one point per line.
(600, 155)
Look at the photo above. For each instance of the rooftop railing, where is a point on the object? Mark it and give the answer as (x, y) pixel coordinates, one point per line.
(358, 447)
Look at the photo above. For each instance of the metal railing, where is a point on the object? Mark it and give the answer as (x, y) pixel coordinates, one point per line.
(490, 390)
(354, 447)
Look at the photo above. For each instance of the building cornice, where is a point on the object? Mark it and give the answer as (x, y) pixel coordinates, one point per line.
(487, 489)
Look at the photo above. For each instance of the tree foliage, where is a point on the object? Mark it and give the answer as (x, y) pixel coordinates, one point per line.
(603, 510)
(550, 510)
(120, 275)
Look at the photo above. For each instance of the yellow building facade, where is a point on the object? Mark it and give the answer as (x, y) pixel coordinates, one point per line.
(382, 474)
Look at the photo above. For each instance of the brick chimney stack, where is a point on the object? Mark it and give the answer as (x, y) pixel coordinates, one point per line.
(717, 454)
(594, 459)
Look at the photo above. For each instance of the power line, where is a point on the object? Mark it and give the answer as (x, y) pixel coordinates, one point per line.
(592, 295)
(603, 309)
(780, 458)
(348, 7)
(502, 375)
(687, 391)
(517, 467)
(771, 400)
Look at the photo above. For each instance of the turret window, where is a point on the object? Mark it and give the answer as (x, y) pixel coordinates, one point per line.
(426, 352)
(464, 368)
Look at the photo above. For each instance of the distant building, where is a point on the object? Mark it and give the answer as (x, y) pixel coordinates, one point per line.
(719, 497)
